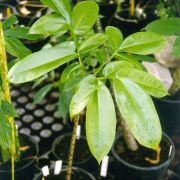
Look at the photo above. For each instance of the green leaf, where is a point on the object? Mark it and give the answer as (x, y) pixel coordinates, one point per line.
(145, 80)
(129, 58)
(176, 48)
(61, 7)
(9, 22)
(92, 43)
(42, 93)
(81, 97)
(100, 55)
(64, 102)
(16, 48)
(167, 27)
(112, 68)
(48, 25)
(21, 33)
(100, 122)
(39, 63)
(145, 58)
(84, 16)
(5, 132)
(8, 109)
(115, 37)
(71, 76)
(143, 43)
(138, 111)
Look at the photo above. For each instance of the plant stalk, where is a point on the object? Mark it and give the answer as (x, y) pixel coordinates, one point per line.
(6, 92)
(72, 147)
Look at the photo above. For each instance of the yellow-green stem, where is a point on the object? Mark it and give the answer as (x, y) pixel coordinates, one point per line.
(6, 92)
(71, 150)
(132, 8)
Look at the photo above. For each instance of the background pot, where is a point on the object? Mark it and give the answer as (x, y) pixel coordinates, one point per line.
(82, 154)
(25, 167)
(129, 171)
(169, 112)
(3, 10)
(78, 173)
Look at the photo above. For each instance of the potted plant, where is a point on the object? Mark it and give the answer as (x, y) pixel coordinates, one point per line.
(168, 58)
(17, 156)
(115, 65)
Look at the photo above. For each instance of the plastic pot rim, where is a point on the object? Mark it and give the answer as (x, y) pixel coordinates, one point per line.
(28, 164)
(155, 167)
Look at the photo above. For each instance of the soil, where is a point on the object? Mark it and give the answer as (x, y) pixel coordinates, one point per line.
(137, 157)
(81, 152)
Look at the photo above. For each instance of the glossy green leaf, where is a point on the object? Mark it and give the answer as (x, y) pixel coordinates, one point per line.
(129, 58)
(81, 97)
(42, 93)
(92, 43)
(70, 72)
(100, 122)
(16, 48)
(143, 43)
(9, 22)
(61, 7)
(84, 16)
(5, 132)
(145, 80)
(64, 102)
(176, 48)
(112, 68)
(138, 111)
(167, 27)
(39, 63)
(145, 58)
(21, 33)
(114, 36)
(8, 109)
(48, 25)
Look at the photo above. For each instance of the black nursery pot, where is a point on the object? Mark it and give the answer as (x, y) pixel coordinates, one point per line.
(77, 174)
(3, 10)
(28, 12)
(82, 154)
(132, 166)
(169, 112)
(25, 167)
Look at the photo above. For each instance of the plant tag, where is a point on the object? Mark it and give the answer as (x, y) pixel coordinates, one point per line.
(45, 171)
(58, 167)
(78, 132)
(170, 150)
(104, 166)
(1, 16)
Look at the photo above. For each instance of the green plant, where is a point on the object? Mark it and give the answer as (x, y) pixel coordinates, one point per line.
(95, 60)
(9, 42)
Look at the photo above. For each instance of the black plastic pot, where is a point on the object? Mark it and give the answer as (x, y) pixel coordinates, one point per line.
(25, 167)
(82, 154)
(29, 11)
(129, 25)
(3, 10)
(169, 113)
(78, 174)
(128, 169)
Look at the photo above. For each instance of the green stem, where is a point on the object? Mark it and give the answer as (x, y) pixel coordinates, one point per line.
(6, 92)
(103, 64)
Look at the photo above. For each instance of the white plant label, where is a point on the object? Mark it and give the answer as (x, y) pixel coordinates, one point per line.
(104, 166)
(45, 171)
(58, 167)
(78, 132)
